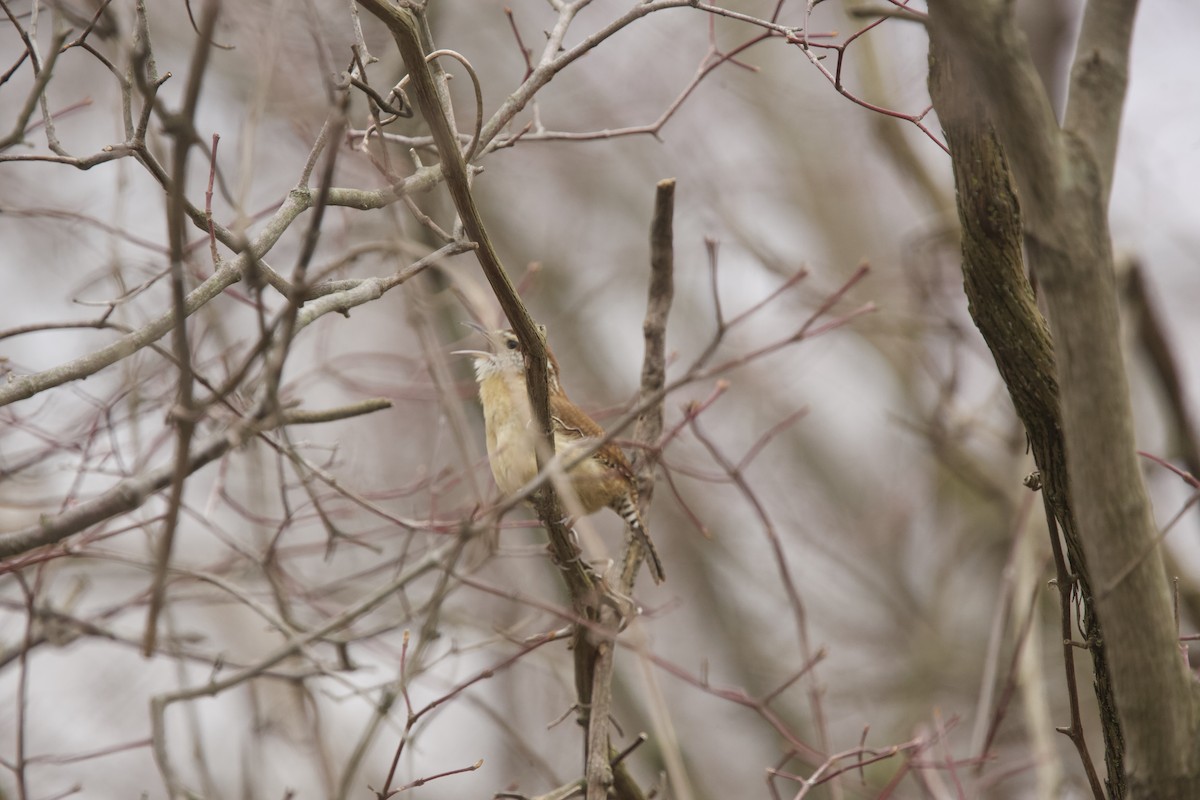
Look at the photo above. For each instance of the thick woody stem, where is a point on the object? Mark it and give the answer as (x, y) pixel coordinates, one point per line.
(593, 659)
(654, 363)
(405, 29)
(596, 661)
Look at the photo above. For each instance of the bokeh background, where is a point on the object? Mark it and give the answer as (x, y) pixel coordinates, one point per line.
(921, 559)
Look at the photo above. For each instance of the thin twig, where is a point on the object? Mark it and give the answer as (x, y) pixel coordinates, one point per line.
(1065, 583)
(183, 414)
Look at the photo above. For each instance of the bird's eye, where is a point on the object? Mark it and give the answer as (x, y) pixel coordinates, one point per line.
(512, 344)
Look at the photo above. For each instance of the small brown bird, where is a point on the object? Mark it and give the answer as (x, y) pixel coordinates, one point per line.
(603, 479)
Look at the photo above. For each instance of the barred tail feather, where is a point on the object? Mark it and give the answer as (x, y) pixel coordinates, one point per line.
(627, 508)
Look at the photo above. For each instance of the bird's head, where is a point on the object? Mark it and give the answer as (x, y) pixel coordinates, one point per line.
(506, 356)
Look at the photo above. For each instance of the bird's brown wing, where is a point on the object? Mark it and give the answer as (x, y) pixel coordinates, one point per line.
(573, 423)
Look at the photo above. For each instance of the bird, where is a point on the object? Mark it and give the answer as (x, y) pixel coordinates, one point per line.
(604, 479)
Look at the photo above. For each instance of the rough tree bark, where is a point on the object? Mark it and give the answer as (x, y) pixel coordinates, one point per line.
(1063, 177)
(1002, 304)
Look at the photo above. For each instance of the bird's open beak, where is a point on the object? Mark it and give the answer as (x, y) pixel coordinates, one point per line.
(493, 340)
(475, 326)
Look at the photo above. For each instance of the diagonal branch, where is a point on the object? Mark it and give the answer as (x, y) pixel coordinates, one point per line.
(406, 31)
(132, 492)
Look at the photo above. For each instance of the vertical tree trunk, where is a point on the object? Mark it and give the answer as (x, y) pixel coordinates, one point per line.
(1002, 304)
(1063, 176)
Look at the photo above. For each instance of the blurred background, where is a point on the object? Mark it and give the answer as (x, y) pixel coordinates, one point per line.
(886, 458)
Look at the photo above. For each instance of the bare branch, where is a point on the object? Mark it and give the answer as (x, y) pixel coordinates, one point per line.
(184, 414)
(1099, 77)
